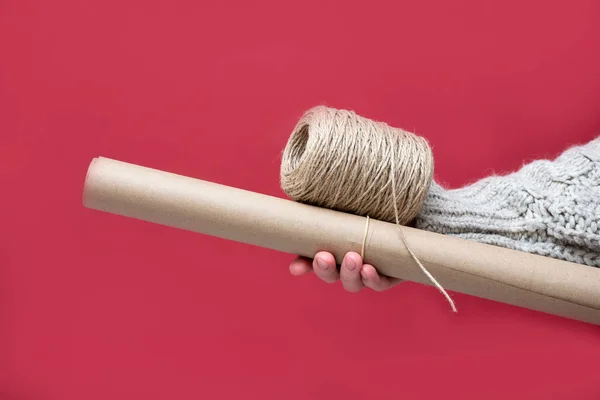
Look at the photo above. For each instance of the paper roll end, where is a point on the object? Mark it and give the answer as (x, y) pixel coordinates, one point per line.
(87, 195)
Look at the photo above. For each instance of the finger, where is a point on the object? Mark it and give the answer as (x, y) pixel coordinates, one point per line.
(350, 272)
(301, 266)
(375, 281)
(325, 267)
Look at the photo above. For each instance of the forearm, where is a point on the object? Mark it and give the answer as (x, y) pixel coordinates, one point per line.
(548, 207)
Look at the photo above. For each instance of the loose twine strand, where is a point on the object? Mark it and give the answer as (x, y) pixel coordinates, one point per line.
(339, 160)
(425, 271)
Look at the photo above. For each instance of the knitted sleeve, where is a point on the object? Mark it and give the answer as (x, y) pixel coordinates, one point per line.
(548, 207)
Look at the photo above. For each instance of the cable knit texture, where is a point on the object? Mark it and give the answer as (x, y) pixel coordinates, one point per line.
(548, 207)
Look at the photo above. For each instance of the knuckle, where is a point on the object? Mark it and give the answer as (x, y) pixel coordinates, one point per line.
(352, 285)
(376, 287)
(353, 289)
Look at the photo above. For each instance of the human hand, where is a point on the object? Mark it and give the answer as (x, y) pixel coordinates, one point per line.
(353, 274)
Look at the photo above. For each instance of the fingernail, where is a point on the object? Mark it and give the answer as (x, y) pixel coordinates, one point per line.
(322, 264)
(350, 264)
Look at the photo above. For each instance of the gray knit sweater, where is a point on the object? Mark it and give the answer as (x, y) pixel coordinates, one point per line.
(548, 207)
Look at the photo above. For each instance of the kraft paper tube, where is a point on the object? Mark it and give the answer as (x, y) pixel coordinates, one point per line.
(538, 283)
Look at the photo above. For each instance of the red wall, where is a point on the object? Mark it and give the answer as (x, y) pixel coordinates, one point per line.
(95, 306)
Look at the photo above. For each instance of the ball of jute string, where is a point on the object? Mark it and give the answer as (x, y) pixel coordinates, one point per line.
(339, 160)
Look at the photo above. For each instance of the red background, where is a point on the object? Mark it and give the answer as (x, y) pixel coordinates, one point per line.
(95, 306)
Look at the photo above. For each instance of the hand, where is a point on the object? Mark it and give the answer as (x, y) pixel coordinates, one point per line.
(354, 275)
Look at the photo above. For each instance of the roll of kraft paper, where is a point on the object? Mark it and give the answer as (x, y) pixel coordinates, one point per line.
(491, 272)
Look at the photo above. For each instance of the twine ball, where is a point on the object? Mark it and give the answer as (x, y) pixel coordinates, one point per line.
(339, 160)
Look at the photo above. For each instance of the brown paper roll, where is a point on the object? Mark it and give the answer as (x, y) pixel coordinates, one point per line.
(538, 283)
